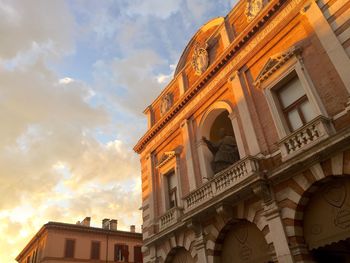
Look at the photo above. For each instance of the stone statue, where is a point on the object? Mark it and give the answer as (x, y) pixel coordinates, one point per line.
(225, 151)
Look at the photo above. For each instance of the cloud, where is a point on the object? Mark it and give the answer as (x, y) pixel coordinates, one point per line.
(24, 23)
(131, 81)
(158, 8)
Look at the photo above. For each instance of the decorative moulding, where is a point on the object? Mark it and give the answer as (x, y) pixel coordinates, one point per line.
(253, 8)
(200, 58)
(275, 62)
(166, 157)
(167, 102)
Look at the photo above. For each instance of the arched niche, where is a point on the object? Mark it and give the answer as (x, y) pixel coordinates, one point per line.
(179, 255)
(219, 115)
(242, 242)
(326, 222)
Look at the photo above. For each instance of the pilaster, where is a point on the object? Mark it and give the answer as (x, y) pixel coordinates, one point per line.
(244, 114)
(329, 41)
(187, 139)
(274, 221)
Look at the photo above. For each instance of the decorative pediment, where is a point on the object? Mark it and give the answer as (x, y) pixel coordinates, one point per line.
(166, 157)
(275, 62)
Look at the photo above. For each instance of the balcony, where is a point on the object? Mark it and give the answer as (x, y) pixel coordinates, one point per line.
(169, 218)
(305, 137)
(228, 180)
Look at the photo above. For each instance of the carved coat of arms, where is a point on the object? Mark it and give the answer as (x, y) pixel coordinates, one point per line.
(253, 8)
(200, 58)
(166, 103)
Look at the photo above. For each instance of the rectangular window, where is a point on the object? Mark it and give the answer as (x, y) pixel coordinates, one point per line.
(294, 103)
(121, 253)
(137, 254)
(171, 181)
(69, 250)
(95, 250)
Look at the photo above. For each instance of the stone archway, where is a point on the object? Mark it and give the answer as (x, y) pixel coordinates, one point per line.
(242, 242)
(326, 222)
(218, 116)
(179, 255)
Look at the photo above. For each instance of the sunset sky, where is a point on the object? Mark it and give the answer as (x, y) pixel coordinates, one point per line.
(75, 77)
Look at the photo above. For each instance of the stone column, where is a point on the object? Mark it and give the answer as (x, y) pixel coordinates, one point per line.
(274, 221)
(187, 138)
(244, 114)
(329, 41)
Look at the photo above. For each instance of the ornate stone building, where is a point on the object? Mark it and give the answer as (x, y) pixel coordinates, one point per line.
(247, 153)
(61, 242)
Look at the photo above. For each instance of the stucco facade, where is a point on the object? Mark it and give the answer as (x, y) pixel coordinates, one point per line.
(287, 198)
(61, 242)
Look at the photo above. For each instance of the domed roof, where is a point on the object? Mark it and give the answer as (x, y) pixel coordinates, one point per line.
(202, 33)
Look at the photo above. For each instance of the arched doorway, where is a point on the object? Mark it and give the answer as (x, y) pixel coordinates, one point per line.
(242, 242)
(327, 222)
(179, 255)
(214, 123)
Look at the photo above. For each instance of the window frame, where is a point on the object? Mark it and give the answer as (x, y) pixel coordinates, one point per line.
(125, 258)
(66, 247)
(275, 82)
(99, 249)
(164, 168)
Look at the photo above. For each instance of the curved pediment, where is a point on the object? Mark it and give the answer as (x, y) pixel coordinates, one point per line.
(199, 40)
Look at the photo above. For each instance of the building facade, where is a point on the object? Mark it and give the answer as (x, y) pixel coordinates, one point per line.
(247, 153)
(61, 242)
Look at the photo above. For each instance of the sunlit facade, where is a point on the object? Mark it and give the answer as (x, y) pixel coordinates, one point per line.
(62, 242)
(247, 153)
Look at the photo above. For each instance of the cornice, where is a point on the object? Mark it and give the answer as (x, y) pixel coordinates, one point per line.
(234, 48)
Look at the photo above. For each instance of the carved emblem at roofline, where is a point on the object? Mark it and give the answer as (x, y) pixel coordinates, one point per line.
(167, 102)
(253, 8)
(200, 58)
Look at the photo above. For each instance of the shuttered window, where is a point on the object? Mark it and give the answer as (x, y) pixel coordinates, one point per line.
(121, 253)
(69, 250)
(137, 254)
(95, 250)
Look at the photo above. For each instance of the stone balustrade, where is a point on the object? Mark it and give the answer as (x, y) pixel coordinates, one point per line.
(169, 218)
(224, 181)
(305, 137)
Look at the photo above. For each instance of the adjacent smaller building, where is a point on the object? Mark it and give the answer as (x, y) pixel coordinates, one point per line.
(62, 242)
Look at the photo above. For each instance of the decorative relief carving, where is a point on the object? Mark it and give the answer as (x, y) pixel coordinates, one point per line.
(200, 58)
(253, 8)
(245, 253)
(342, 219)
(335, 195)
(167, 102)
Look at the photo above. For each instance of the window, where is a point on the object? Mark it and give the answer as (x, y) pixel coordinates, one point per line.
(171, 182)
(121, 253)
(137, 254)
(294, 104)
(95, 250)
(69, 250)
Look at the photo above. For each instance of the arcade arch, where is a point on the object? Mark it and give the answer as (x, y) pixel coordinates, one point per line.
(326, 222)
(179, 255)
(242, 242)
